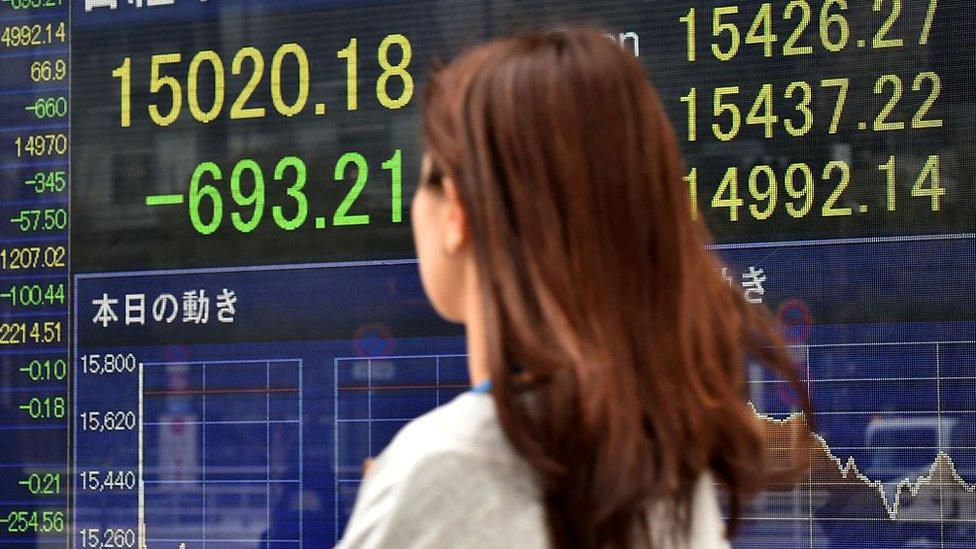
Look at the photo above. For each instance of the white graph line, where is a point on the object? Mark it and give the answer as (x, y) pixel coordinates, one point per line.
(140, 462)
(203, 459)
(942, 466)
(370, 363)
(942, 471)
(301, 454)
(335, 445)
(941, 443)
(142, 539)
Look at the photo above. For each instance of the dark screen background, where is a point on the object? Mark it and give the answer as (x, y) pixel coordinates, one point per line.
(115, 167)
(878, 303)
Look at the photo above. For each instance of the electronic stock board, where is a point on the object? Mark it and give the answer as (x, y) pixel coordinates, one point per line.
(211, 313)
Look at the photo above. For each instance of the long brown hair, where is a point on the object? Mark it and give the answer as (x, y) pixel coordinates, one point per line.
(600, 299)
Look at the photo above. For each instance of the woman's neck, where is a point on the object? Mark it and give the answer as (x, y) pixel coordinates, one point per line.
(478, 371)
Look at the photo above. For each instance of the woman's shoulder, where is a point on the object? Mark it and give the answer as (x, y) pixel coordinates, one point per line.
(707, 525)
(465, 430)
(451, 478)
(448, 479)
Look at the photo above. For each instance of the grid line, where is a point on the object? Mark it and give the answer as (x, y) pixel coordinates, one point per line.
(365, 391)
(814, 515)
(267, 471)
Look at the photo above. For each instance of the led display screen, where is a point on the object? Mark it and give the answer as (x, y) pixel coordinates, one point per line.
(211, 311)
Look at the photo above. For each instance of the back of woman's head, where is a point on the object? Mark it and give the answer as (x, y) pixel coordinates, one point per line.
(599, 298)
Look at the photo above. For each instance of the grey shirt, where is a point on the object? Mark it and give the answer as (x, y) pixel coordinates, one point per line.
(451, 479)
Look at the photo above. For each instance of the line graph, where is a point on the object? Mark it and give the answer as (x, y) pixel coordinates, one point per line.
(239, 380)
(895, 454)
(214, 446)
(376, 396)
(942, 474)
(894, 459)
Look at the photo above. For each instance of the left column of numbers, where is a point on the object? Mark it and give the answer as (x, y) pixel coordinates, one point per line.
(35, 410)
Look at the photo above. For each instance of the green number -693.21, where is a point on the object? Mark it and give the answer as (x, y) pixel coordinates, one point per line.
(246, 189)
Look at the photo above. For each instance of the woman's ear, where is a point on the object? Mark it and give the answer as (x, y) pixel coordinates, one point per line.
(456, 234)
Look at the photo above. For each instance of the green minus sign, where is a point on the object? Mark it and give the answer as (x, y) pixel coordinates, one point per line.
(164, 200)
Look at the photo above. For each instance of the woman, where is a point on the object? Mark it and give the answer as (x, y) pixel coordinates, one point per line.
(606, 351)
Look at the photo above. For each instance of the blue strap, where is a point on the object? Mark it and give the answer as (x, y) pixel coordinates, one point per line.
(482, 387)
